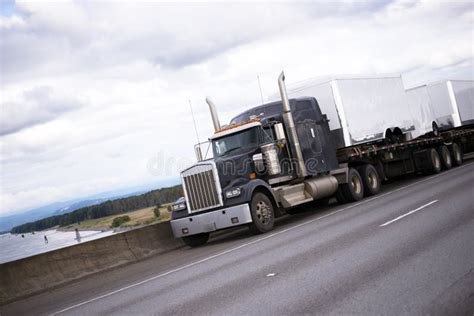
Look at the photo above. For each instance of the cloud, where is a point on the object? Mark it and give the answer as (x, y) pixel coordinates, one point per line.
(92, 91)
(36, 106)
(67, 34)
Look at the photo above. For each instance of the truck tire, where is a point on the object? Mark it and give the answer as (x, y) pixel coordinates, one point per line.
(196, 240)
(434, 162)
(353, 190)
(445, 155)
(263, 215)
(370, 179)
(340, 197)
(456, 155)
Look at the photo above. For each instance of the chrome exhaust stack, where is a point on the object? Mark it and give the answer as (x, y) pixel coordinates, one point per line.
(215, 118)
(290, 125)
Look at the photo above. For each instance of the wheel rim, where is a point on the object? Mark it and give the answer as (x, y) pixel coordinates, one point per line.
(373, 182)
(263, 212)
(437, 163)
(355, 181)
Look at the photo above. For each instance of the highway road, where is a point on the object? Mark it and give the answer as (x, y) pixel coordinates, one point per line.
(407, 251)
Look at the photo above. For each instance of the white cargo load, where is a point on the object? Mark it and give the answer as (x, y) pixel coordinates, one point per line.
(448, 103)
(360, 109)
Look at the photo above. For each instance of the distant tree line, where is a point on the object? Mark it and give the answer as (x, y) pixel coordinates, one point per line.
(107, 208)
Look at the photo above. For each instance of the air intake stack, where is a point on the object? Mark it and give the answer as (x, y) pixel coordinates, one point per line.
(291, 129)
(215, 117)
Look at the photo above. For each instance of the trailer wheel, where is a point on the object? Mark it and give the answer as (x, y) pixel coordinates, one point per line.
(370, 179)
(457, 155)
(354, 189)
(263, 215)
(196, 240)
(445, 155)
(434, 163)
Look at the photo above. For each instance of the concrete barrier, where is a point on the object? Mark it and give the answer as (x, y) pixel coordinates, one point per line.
(34, 274)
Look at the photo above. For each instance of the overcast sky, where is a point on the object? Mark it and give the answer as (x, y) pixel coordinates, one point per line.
(94, 95)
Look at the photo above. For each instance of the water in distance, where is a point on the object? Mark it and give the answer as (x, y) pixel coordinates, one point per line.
(14, 247)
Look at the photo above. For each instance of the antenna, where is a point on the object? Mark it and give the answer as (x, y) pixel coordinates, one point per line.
(260, 86)
(194, 121)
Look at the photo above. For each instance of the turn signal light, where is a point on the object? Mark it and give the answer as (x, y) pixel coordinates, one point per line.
(252, 176)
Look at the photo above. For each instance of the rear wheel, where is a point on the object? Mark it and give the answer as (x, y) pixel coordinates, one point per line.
(263, 215)
(370, 179)
(353, 190)
(196, 240)
(445, 155)
(434, 162)
(456, 155)
(339, 196)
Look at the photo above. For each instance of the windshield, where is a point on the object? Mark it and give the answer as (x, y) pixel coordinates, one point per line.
(229, 143)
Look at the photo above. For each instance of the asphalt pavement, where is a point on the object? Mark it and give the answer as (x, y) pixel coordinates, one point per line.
(407, 251)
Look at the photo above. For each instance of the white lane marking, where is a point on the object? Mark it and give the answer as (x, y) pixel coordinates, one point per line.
(253, 242)
(271, 275)
(409, 213)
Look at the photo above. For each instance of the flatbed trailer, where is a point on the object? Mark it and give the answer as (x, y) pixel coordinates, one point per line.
(395, 159)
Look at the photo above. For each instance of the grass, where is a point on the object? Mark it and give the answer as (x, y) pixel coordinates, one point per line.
(139, 217)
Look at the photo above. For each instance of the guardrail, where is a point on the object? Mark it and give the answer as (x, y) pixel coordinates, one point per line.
(44, 271)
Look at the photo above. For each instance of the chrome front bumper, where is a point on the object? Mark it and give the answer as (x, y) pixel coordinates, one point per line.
(211, 221)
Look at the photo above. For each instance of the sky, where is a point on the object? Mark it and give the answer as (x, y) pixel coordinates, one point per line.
(95, 96)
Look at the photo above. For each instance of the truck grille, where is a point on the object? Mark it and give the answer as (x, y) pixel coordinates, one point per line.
(201, 188)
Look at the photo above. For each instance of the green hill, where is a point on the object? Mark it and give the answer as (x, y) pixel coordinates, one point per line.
(107, 208)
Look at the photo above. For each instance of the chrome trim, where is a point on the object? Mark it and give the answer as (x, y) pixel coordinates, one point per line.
(206, 192)
(212, 221)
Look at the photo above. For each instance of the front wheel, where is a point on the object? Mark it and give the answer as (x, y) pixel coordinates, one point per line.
(263, 215)
(196, 240)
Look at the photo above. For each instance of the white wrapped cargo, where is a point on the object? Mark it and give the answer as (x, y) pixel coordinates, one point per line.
(448, 103)
(420, 105)
(360, 109)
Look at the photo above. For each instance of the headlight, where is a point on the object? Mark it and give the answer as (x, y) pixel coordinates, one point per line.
(232, 193)
(179, 206)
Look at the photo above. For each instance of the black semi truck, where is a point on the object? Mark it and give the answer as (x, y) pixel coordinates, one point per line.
(275, 157)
